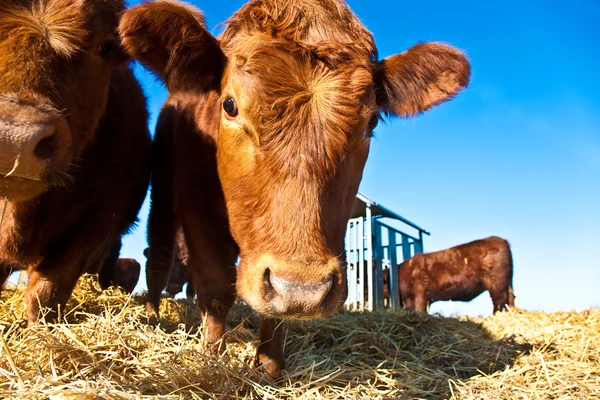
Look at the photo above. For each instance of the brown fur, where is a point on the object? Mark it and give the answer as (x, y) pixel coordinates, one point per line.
(460, 273)
(280, 176)
(115, 271)
(53, 68)
(386, 287)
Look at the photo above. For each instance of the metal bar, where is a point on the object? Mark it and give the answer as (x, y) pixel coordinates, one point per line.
(369, 236)
(398, 230)
(420, 248)
(406, 253)
(377, 271)
(393, 273)
(360, 265)
(402, 219)
(351, 285)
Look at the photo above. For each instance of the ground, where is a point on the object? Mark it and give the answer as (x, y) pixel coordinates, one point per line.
(105, 347)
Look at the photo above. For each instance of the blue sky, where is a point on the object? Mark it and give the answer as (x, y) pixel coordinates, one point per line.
(516, 155)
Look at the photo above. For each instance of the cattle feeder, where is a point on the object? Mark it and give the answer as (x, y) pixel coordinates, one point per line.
(376, 239)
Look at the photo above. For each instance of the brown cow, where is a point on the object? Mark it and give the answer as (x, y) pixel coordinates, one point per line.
(386, 287)
(459, 273)
(263, 140)
(127, 274)
(120, 272)
(74, 143)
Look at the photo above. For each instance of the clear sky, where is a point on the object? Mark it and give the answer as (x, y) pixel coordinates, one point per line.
(517, 154)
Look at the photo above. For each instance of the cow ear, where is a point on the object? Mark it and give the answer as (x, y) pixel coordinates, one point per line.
(420, 78)
(171, 39)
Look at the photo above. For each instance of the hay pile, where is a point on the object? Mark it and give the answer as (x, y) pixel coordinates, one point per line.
(105, 348)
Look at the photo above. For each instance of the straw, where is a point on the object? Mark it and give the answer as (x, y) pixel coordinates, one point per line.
(106, 347)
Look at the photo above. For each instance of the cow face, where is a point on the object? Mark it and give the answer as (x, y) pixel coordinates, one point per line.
(56, 58)
(301, 89)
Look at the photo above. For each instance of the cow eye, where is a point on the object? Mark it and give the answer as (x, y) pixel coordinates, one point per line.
(230, 107)
(107, 48)
(373, 123)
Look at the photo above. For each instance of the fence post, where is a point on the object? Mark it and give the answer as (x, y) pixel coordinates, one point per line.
(369, 256)
(376, 271)
(393, 273)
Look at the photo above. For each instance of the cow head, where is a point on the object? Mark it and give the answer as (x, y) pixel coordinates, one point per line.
(301, 90)
(56, 58)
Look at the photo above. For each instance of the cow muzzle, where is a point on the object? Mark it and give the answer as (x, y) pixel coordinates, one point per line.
(32, 144)
(291, 289)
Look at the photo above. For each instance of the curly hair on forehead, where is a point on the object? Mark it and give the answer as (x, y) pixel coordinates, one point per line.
(64, 25)
(326, 29)
(303, 103)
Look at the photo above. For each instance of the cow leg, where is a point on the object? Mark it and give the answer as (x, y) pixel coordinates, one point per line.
(269, 354)
(214, 281)
(161, 237)
(48, 290)
(162, 223)
(189, 290)
(421, 302)
(5, 271)
(109, 265)
(511, 296)
(52, 281)
(499, 298)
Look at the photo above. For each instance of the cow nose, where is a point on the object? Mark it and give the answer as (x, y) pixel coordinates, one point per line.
(27, 147)
(289, 297)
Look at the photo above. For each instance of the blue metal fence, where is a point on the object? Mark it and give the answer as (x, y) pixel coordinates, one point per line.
(372, 246)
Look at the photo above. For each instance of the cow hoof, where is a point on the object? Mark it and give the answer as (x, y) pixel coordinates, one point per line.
(270, 369)
(217, 348)
(152, 309)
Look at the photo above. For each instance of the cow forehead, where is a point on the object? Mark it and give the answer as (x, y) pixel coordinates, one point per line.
(284, 87)
(61, 25)
(293, 63)
(320, 24)
(39, 37)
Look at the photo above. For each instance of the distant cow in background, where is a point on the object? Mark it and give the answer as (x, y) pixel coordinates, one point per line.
(121, 272)
(460, 273)
(127, 274)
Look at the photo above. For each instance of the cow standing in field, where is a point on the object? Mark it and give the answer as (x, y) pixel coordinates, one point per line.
(74, 144)
(459, 273)
(127, 274)
(260, 148)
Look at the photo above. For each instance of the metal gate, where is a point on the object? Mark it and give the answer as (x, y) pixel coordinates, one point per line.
(371, 247)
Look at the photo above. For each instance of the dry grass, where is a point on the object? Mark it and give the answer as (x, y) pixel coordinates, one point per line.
(106, 348)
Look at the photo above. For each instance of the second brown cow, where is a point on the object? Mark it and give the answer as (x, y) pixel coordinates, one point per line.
(261, 145)
(460, 273)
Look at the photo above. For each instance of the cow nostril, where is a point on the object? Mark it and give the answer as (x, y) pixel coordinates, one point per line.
(269, 289)
(47, 147)
(328, 295)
